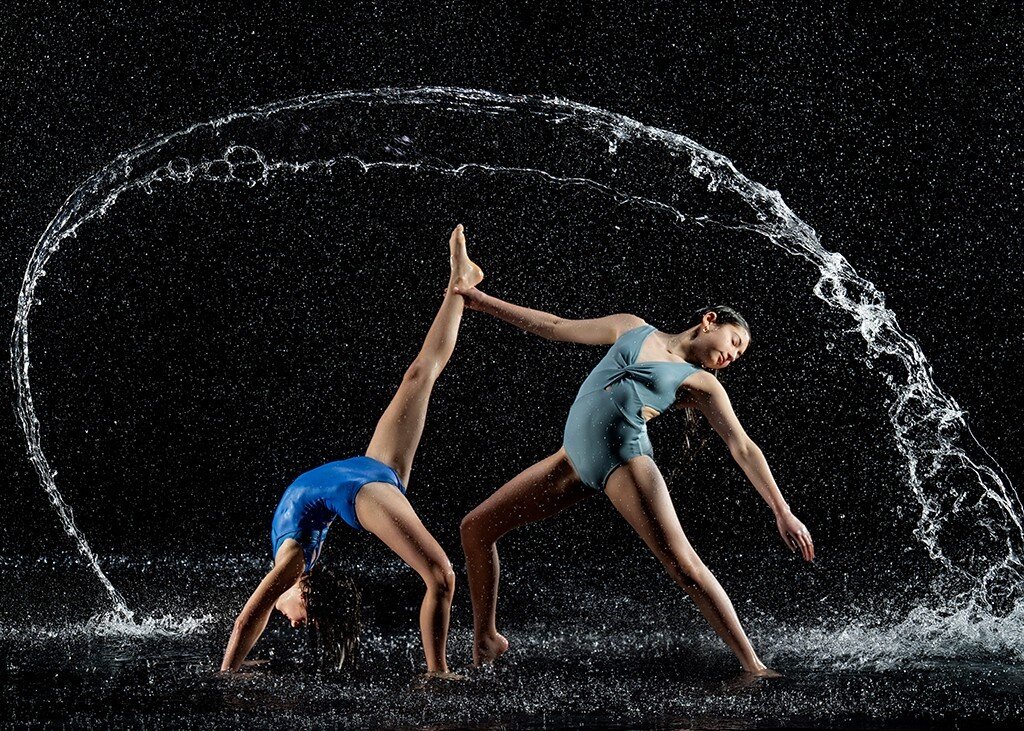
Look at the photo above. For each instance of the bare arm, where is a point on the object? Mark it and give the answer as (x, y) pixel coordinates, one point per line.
(256, 612)
(710, 397)
(596, 331)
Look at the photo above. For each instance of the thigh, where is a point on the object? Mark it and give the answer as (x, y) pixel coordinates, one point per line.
(538, 492)
(400, 427)
(638, 492)
(384, 511)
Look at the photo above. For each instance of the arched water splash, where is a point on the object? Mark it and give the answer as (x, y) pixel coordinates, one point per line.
(456, 131)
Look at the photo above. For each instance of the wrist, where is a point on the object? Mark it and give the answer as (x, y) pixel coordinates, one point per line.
(781, 509)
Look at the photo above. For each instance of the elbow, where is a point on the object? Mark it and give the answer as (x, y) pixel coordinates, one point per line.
(741, 450)
(238, 626)
(550, 328)
(241, 623)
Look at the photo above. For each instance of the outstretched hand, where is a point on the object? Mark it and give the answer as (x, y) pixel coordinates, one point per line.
(471, 295)
(795, 535)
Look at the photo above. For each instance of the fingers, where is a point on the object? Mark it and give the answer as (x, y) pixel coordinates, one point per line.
(468, 293)
(800, 540)
(803, 539)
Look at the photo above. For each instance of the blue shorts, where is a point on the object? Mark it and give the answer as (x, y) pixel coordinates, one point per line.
(312, 502)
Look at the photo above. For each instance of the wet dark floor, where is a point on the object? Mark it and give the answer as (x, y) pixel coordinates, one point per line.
(641, 667)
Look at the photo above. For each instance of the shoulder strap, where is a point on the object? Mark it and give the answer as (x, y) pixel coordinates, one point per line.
(641, 335)
(632, 330)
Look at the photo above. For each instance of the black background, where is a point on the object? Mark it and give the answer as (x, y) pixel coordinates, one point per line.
(893, 132)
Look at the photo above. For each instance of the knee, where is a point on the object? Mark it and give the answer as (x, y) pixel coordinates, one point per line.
(473, 531)
(440, 580)
(420, 371)
(689, 574)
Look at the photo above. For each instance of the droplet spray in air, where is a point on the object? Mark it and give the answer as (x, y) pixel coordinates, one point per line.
(948, 472)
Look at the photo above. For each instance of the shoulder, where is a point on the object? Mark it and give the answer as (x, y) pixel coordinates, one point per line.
(624, 323)
(703, 384)
(702, 391)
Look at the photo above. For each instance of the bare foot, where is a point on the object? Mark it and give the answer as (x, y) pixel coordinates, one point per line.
(465, 273)
(766, 672)
(489, 648)
(751, 677)
(434, 680)
(441, 675)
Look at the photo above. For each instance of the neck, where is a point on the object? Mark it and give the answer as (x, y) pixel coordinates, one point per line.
(679, 344)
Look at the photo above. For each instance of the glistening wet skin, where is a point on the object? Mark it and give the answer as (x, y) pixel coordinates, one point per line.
(960, 619)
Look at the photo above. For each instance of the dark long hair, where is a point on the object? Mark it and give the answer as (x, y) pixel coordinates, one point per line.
(333, 604)
(695, 434)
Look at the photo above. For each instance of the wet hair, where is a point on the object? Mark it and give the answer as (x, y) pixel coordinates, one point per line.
(694, 434)
(333, 603)
(725, 316)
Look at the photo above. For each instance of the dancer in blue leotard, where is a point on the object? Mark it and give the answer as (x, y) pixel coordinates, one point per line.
(368, 493)
(605, 448)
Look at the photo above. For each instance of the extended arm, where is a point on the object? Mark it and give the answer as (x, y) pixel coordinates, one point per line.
(596, 331)
(712, 400)
(256, 612)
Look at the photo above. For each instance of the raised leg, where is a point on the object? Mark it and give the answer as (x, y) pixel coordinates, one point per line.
(537, 492)
(638, 492)
(384, 511)
(399, 429)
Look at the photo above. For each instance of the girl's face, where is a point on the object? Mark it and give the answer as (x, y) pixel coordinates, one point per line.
(292, 604)
(721, 345)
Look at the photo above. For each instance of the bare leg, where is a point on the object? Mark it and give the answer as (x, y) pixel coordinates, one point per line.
(638, 492)
(385, 512)
(382, 509)
(537, 492)
(399, 430)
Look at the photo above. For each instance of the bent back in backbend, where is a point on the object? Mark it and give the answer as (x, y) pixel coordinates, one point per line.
(368, 492)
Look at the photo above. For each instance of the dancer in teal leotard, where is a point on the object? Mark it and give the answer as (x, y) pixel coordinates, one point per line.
(605, 448)
(606, 425)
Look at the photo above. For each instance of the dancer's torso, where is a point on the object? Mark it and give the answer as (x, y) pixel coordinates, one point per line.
(641, 390)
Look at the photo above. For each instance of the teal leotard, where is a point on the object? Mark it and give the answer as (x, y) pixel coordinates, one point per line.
(606, 426)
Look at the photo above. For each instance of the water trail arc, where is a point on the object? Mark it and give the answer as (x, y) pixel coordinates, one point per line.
(459, 131)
